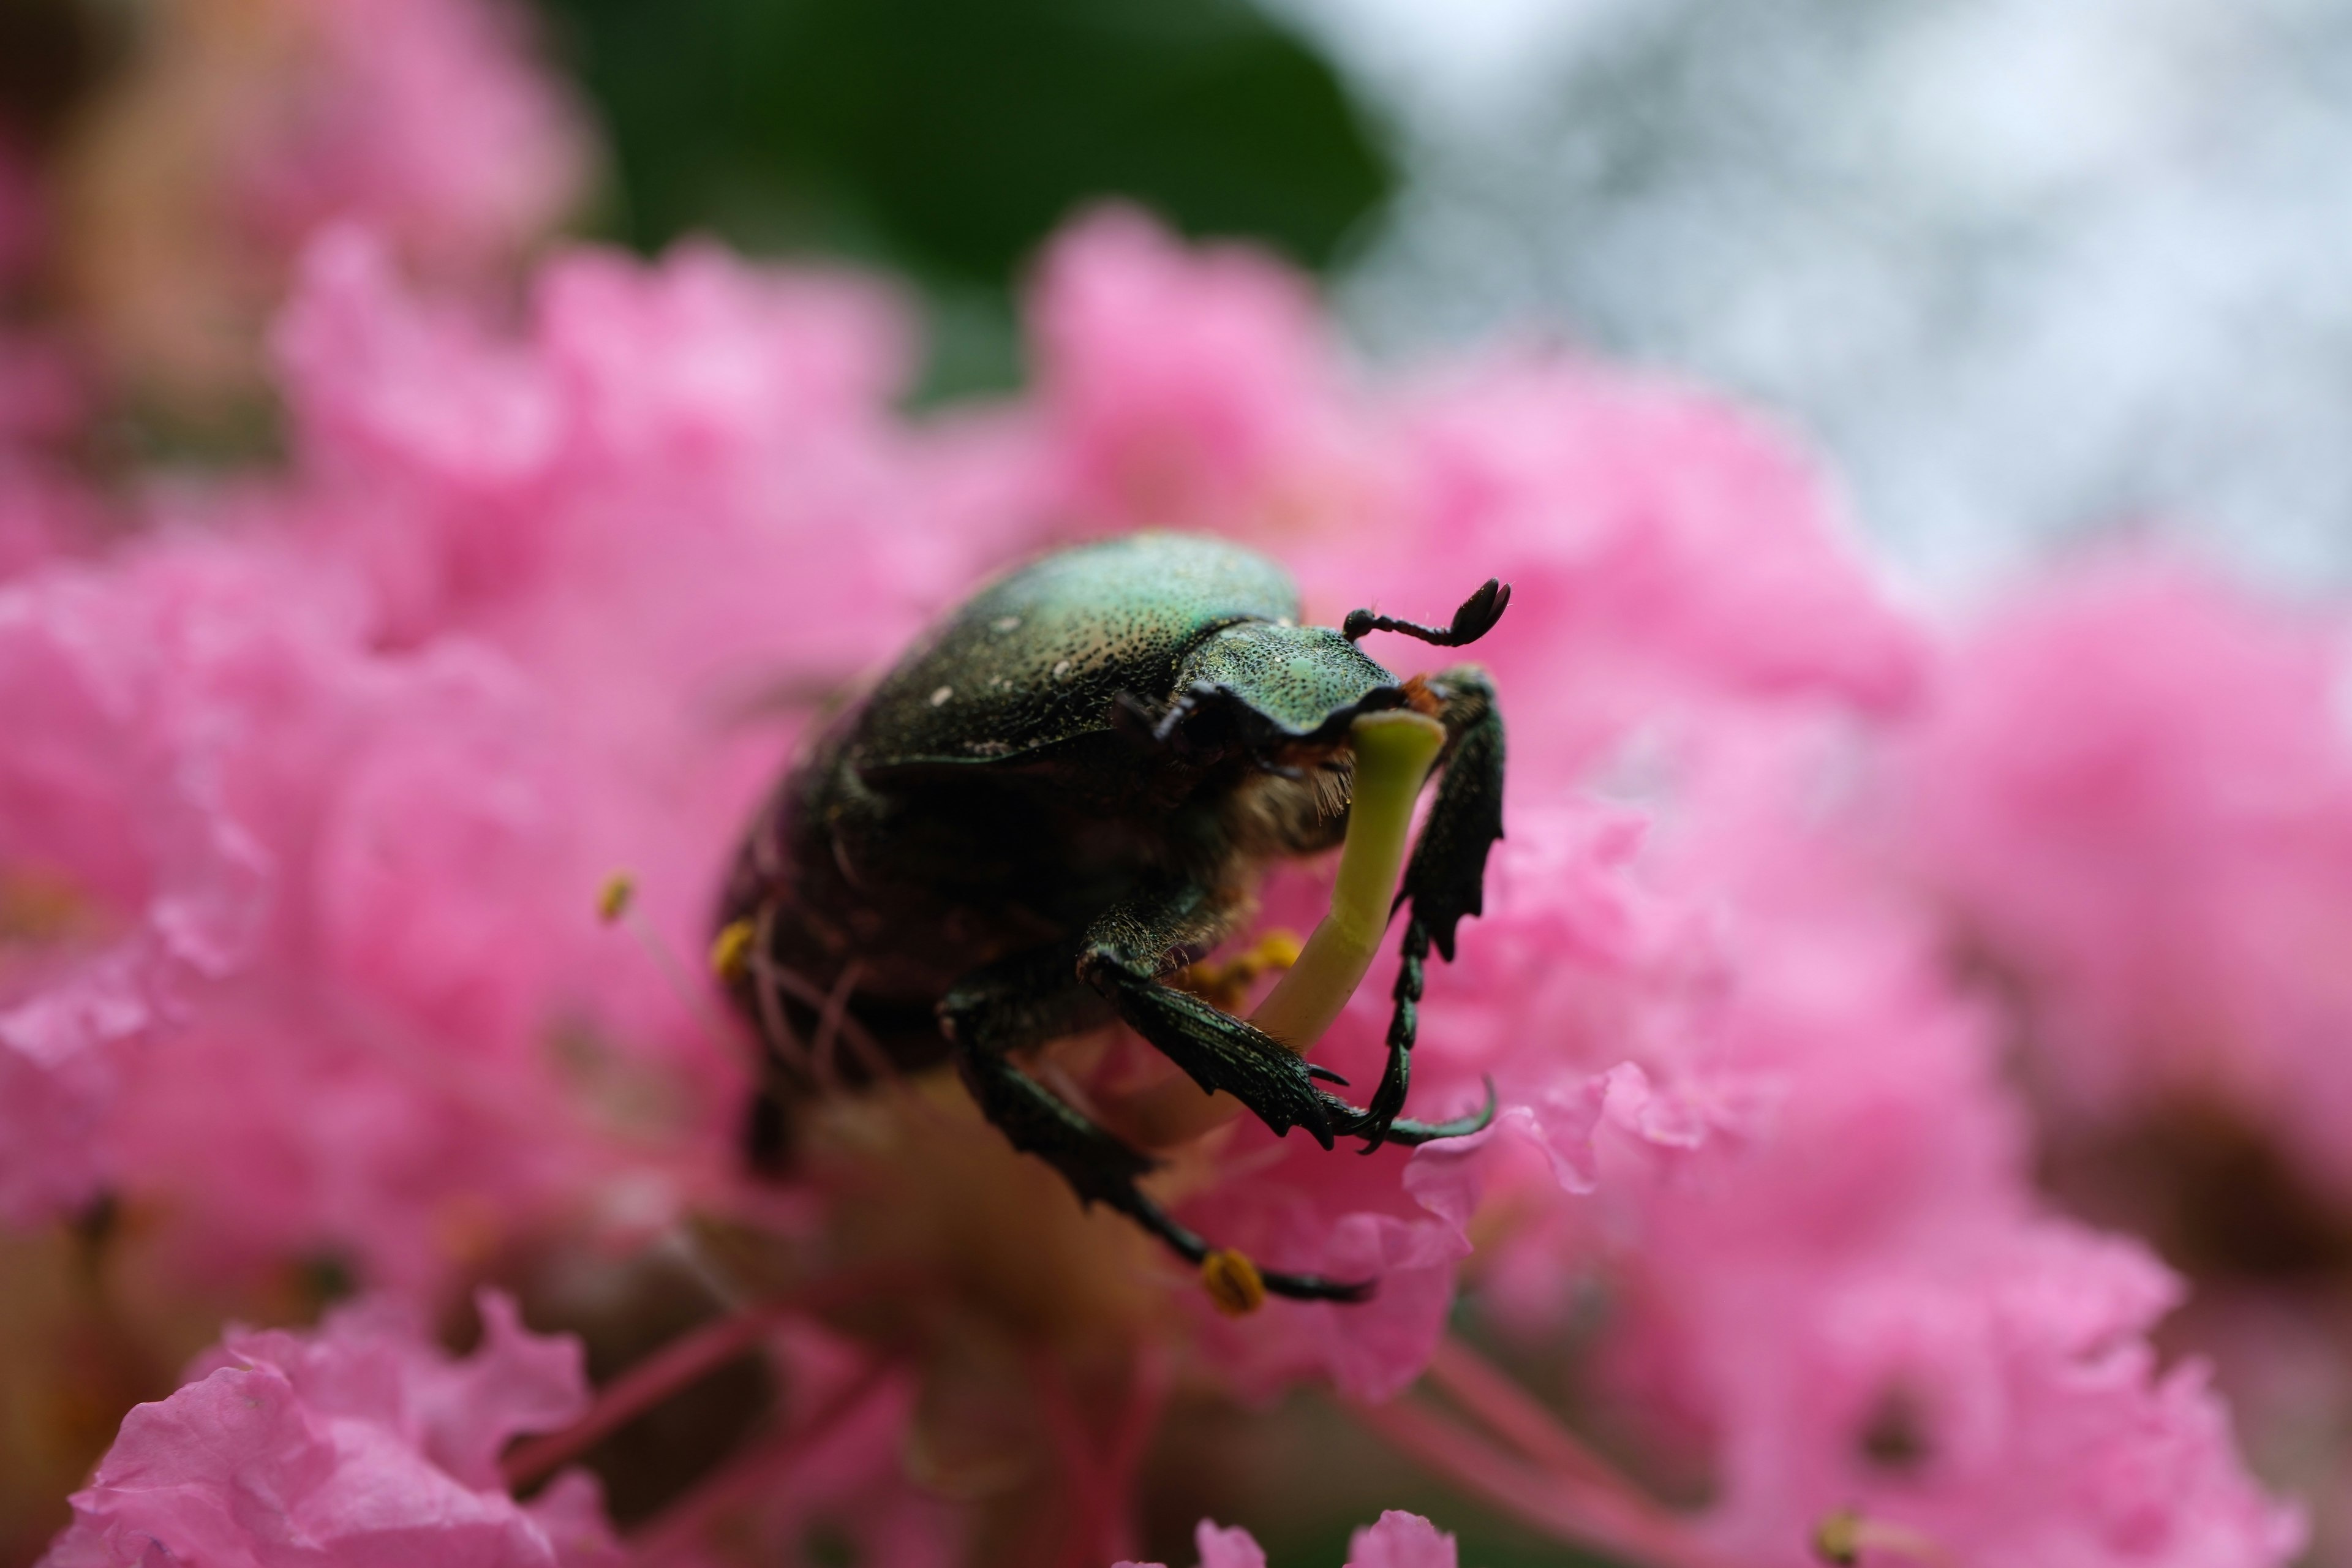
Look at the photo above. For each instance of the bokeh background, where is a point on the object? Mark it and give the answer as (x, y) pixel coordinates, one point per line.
(2029, 274)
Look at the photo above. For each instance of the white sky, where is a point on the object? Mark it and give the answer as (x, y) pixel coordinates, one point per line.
(2028, 270)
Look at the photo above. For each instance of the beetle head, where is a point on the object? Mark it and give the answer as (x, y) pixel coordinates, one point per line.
(1272, 693)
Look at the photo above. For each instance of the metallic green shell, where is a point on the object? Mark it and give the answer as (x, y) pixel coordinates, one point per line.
(1295, 680)
(1040, 656)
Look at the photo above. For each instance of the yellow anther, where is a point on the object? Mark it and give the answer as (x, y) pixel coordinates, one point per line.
(1226, 984)
(36, 908)
(731, 950)
(1278, 949)
(1837, 1540)
(1845, 1534)
(612, 900)
(1233, 1283)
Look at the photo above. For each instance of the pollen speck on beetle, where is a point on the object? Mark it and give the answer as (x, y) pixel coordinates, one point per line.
(940, 698)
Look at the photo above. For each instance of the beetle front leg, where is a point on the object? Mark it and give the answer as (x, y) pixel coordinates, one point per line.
(1444, 881)
(1026, 1001)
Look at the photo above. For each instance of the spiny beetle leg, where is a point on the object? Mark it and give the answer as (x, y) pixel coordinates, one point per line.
(986, 1018)
(1033, 1119)
(1216, 1051)
(1404, 1130)
(1314, 1287)
(1131, 944)
(1188, 1245)
(1404, 1027)
(1446, 878)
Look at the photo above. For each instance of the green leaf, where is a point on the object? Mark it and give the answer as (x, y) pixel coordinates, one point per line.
(949, 137)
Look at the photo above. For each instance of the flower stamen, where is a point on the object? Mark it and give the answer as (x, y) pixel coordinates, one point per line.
(731, 950)
(1845, 1534)
(1226, 985)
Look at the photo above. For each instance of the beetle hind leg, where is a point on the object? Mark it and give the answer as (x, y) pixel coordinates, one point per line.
(1024, 1003)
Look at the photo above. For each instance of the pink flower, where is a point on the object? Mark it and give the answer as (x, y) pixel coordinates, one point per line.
(1401, 1540)
(421, 118)
(1666, 554)
(542, 600)
(346, 885)
(1288, 1204)
(1660, 544)
(1994, 1395)
(124, 878)
(1398, 1541)
(700, 429)
(361, 1442)
(1854, 1302)
(1181, 387)
(2136, 794)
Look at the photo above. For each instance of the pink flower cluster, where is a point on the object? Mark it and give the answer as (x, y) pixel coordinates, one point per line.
(421, 118)
(2153, 845)
(313, 782)
(146, 243)
(1398, 1541)
(360, 1443)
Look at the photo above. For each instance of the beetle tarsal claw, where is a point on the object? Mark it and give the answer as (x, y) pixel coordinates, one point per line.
(1233, 1283)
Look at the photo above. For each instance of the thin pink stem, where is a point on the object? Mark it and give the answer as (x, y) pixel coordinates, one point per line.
(754, 1473)
(1578, 1512)
(1155, 1377)
(1487, 1394)
(679, 1363)
(1080, 1537)
(638, 1390)
(1100, 1467)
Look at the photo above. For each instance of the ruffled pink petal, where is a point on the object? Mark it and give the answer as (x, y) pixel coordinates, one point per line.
(334, 1445)
(1401, 1540)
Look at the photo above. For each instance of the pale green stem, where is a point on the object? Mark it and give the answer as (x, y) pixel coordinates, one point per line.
(1393, 754)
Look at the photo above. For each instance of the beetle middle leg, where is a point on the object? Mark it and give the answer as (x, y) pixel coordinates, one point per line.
(1026, 1001)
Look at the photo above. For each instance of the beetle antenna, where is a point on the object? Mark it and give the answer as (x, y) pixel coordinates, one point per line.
(1473, 620)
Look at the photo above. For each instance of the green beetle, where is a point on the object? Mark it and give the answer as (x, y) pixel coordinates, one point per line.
(1065, 791)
